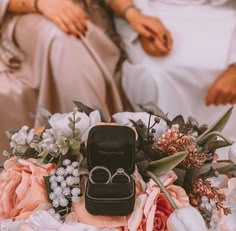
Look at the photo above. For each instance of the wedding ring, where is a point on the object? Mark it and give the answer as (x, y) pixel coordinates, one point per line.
(106, 170)
(120, 173)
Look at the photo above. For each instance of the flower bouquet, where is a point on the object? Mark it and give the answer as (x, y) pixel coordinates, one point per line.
(180, 179)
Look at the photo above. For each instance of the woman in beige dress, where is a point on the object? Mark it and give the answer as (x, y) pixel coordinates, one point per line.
(51, 53)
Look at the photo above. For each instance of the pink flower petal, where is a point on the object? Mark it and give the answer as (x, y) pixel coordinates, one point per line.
(169, 178)
(137, 215)
(179, 195)
(151, 218)
(151, 200)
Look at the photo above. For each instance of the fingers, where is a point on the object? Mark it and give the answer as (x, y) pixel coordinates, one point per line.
(169, 40)
(80, 17)
(160, 47)
(69, 24)
(75, 20)
(155, 28)
(72, 20)
(144, 32)
(62, 25)
(218, 96)
(163, 39)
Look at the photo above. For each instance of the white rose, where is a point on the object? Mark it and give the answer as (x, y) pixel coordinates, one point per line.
(123, 118)
(61, 121)
(20, 141)
(232, 153)
(186, 219)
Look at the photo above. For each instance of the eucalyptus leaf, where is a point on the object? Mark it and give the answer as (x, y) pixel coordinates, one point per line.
(222, 167)
(180, 121)
(164, 165)
(77, 120)
(70, 119)
(211, 136)
(83, 108)
(212, 145)
(71, 125)
(217, 126)
(152, 107)
(75, 145)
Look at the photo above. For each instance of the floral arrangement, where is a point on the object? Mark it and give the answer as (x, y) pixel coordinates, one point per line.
(179, 176)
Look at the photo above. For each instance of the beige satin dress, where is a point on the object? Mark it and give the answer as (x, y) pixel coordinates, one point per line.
(40, 66)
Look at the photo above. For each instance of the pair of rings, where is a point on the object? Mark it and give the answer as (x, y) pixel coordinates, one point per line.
(120, 176)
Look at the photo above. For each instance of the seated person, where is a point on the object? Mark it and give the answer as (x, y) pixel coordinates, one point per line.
(51, 53)
(181, 55)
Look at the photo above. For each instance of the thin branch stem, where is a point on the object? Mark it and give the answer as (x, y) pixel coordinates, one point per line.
(148, 129)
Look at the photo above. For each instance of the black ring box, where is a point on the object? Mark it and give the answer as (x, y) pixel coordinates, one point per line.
(112, 147)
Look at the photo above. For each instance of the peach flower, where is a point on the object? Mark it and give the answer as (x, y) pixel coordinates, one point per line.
(22, 188)
(152, 209)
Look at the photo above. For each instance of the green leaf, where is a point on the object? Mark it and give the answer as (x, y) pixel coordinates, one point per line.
(211, 136)
(222, 167)
(152, 107)
(215, 144)
(83, 108)
(75, 145)
(70, 119)
(71, 125)
(161, 167)
(217, 126)
(77, 120)
(180, 121)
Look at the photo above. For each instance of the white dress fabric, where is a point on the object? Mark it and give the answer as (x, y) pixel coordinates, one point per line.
(204, 46)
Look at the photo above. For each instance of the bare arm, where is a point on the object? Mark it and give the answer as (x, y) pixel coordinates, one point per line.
(119, 6)
(21, 6)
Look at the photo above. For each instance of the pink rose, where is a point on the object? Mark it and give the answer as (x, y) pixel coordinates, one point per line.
(22, 188)
(152, 209)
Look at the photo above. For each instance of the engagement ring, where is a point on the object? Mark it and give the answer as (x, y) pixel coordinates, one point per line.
(120, 176)
(102, 170)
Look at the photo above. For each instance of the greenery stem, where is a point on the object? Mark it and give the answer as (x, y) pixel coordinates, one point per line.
(163, 189)
(148, 129)
(51, 159)
(73, 130)
(153, 125)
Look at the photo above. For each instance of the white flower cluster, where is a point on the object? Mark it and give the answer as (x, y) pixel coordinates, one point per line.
(54, 142)
(65, 186)
(210, 205)
(21, 140)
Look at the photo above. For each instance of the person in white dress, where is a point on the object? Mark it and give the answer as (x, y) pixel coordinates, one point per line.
(181, 55)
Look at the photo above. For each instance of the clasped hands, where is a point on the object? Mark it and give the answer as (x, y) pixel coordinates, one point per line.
(157, 41)
(154, 37)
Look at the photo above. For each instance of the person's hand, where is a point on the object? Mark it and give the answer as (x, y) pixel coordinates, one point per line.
(152, 46)
(155, 38)
(223, 90)
(65, 14)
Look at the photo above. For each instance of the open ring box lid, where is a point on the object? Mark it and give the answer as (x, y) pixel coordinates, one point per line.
(113, 147)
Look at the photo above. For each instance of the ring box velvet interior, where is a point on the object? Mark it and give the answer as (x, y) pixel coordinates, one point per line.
(112, 147)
